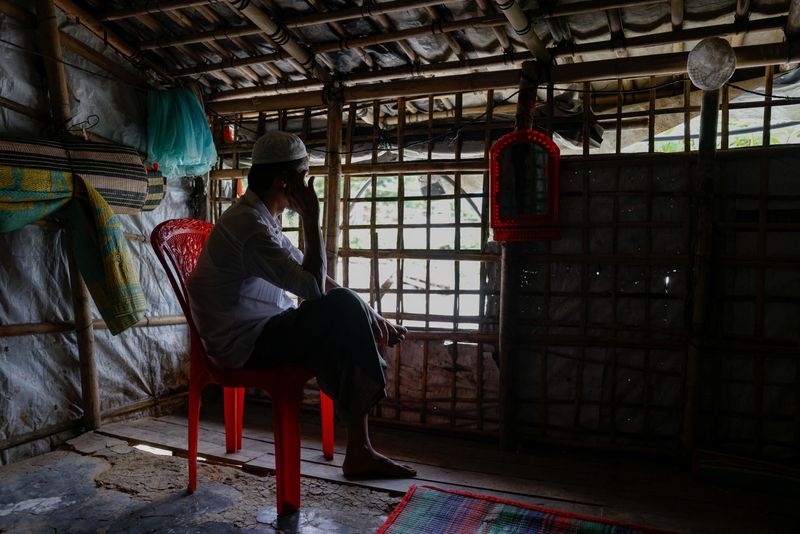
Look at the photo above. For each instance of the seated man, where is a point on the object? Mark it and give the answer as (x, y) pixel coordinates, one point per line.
(238, 298)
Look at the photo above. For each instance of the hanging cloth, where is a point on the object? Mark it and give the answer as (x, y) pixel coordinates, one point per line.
(178, 136)
(98, 243)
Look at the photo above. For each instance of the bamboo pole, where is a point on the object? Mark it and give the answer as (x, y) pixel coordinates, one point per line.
(676, 14)
(74, 45)
(75, 426)
(701, 275)
(107, 36)
(362, 169)
(334, 180)
(59, 102)
(151, 7)
(450, 84)
(24, 110)
(674, 36)
(274, 31)
(41, 433)
(405, 72)
(509, 267)
(742, 9)
(442, 27)
(667, 64)
(521, 23)
(11, 330)
(490, 21)
(793, 22)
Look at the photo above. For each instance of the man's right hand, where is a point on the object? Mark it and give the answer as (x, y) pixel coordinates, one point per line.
(302, 197)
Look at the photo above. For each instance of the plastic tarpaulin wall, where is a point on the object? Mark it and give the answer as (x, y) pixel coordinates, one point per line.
(39, 374)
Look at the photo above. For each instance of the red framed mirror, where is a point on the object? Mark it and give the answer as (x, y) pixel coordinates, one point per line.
(524, 171)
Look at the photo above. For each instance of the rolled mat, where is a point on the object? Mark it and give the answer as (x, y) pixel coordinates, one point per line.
(114, 171)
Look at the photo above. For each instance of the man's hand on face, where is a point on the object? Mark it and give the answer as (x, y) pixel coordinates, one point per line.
(302, 197)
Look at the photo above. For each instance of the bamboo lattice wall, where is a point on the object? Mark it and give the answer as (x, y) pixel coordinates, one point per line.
(604, 312)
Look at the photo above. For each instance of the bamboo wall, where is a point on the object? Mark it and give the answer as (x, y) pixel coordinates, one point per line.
(751, 400)
(604, 314)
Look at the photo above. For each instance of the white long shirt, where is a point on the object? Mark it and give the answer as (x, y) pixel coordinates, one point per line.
(241, 279)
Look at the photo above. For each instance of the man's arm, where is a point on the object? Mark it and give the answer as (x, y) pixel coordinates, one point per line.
(384, 331)
(330, 283)
(304, 201)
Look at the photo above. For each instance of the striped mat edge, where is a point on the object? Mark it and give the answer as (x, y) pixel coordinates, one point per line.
(569, 515)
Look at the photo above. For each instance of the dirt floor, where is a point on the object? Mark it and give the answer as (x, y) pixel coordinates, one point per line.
(100, 484)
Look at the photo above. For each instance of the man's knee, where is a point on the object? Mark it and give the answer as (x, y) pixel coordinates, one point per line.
(343, 298)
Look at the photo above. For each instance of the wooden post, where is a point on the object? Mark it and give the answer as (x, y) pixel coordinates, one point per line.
(701, 275)
(509, 269)
(59, 103)
(332, 200)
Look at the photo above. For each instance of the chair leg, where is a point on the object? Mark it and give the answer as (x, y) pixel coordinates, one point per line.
(286, 400)
(229, 399)
(239, 417)
(326, 412)
(194, 424)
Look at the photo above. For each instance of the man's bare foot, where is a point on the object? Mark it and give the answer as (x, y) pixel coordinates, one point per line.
(372, 464)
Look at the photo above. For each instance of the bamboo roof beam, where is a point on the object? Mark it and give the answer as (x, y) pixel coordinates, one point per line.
(232, 63)
(524, 29)
(409, 88)
(163, 6)
(388, 28)
(452, 67)
(741, 19)
(692, 34)
(305, 61)
(217, 48)
(668, 64)
(661, 64)
(374, 9)
(617, 33)
(454, 45)
(76, 46)
(275, 12)
(181, 20)
(676, 13)
(370, 9)
(380, 38)
(486, 9)
(487, 21)
(245, 45)
(742, 10)
(793, 20)
(107, 36)
(618, 40)
(338, 29)
(219, 34)
(154, 26)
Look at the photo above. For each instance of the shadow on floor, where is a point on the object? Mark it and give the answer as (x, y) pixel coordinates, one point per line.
(103, 485)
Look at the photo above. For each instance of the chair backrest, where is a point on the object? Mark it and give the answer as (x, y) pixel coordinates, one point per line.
(177, 244)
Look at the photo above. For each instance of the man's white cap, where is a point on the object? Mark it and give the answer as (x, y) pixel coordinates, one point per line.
(277, 146)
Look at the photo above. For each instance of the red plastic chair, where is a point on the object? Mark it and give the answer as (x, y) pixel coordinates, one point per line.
(177, 244)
